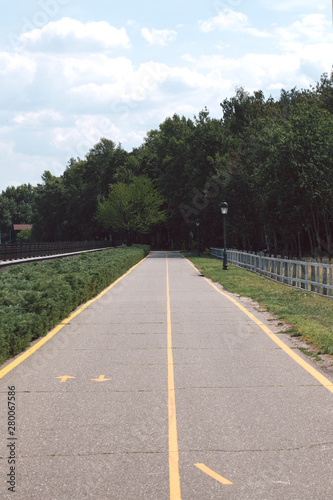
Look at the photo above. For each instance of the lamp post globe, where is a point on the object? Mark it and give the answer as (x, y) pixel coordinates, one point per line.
(224, 211)
(224, 208)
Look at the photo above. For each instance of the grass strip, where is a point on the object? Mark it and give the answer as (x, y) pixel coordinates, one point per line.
(35, 297)
(309, 315)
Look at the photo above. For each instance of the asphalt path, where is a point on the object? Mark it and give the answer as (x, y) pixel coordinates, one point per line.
(165, 387)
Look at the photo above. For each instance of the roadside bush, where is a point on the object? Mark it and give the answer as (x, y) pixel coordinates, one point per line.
(24, 236)
(34, 298)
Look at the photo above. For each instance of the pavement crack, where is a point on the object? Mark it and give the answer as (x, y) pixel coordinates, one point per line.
(182, 451)
(272, 450)
(99, 454)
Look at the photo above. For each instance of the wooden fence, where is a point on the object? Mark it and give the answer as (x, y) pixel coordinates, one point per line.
(310, 276)
(26, 250)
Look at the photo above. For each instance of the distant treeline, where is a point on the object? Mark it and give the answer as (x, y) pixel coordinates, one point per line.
(271, 160)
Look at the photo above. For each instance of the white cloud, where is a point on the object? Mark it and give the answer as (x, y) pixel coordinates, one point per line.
(191, 78)
(77, 139)
(96, 67)
(38, 117)
(64, 88)
(130, 86)
(288, 5)
(24, 168)
(17, 75)
(6, 148)
(230, 20)
(253, 71)
(188, 58)
(17, 68)
(310, 28)
(71, 35)
(158, 37)
(309, 39)
(97, 92)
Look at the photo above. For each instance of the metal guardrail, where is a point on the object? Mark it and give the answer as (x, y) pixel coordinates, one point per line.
(26, 250)
(309, 276)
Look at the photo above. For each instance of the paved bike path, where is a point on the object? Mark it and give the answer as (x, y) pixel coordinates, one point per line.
(96, 405)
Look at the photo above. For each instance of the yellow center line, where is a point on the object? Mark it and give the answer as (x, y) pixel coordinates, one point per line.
(173, 440)
(306, 366)
(315, 373)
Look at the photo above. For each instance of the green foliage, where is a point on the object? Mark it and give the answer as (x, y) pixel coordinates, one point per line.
(17, 206)
(133, 207)
(36, 297)
(66, 205)
(271, 160)
(24, 236)
(280, 168)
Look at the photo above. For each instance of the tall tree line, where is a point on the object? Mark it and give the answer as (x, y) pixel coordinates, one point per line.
(271, 160)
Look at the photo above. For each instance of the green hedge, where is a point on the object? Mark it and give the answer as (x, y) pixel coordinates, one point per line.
(34, 298)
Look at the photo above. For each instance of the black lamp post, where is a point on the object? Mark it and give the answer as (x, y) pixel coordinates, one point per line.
(197, 223)
(224, 211)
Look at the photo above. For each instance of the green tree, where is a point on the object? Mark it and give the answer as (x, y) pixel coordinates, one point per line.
(50, 209)
(17, 205)
(134, 208)
(324, 91)
(24, 236)
(7, 209)
(312, 157)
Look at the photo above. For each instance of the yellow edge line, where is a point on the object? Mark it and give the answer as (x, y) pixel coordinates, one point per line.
(173, 440)
(318, 376)
(53, 332)
(213, 474)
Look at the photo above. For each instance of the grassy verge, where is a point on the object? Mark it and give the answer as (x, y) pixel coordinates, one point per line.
(36, 297)
(309, 315)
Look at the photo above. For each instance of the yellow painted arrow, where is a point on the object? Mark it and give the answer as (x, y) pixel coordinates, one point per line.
(100, 379)
(65, 377)
(213, 474)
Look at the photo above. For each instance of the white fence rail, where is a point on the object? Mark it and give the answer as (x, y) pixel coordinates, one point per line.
(310, 276)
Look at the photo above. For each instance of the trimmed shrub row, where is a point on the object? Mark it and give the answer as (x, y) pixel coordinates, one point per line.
(34, 298)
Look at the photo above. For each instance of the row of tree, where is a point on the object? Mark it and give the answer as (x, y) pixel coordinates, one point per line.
(271, 160)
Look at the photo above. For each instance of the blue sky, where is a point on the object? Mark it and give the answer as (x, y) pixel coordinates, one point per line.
(73, 71)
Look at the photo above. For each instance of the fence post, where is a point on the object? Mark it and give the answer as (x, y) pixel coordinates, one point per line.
(318, 279)
(306, 284)
(272, 266)
(285, 270)
(313, 274)
(302, 274)
(278, 268)
(294, 283)
(324, 277)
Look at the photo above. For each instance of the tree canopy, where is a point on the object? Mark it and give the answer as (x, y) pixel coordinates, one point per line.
(133, 208)
(271, 160)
